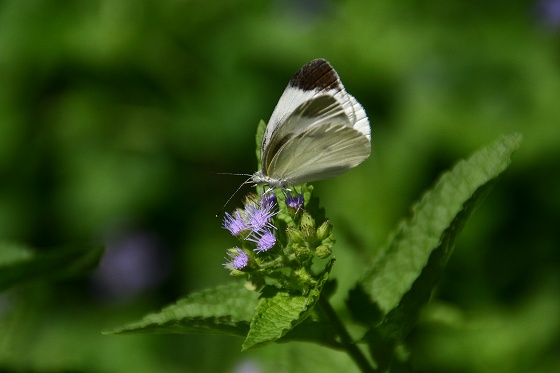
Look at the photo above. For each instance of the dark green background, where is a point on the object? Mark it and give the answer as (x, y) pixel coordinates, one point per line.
(116, 115)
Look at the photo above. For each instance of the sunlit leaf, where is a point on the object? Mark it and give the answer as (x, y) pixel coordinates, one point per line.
(226, 309)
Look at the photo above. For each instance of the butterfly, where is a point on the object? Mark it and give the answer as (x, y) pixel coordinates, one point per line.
(317, 131)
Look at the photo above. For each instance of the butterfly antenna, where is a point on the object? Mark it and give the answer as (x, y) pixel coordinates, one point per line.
(231, 173)
(234, 193)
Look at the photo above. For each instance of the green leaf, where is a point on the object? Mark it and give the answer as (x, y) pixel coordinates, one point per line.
(19, 264)
(401, 281)
(258, 138)
(278, 312)
(226, 309)
(432, 229)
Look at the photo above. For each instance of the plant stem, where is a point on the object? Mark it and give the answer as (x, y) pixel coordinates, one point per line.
(345, 338)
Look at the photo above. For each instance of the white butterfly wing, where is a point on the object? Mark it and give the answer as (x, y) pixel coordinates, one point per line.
(359, 120)
(317, 78)
(324, 151)
(309, 114)
(316, 131)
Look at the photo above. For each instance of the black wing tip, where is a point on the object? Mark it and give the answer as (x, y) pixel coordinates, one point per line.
(316, 75)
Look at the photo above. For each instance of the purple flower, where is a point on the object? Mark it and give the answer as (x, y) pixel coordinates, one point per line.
(238, 259)
(265, 240)
(294, 202)
(268, 199)
(234, 223)
(258, 217)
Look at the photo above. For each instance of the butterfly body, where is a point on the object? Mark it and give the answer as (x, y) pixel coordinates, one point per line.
(316, 131)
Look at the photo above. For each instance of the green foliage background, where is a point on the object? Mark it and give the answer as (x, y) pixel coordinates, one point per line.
(116, 115)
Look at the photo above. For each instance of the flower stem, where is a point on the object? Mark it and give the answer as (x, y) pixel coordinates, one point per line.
(346, 340)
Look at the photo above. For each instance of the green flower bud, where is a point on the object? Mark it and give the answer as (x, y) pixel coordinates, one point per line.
(294, 235)
(323, 251)
(324, 231)
(302, 253)
(307, 221)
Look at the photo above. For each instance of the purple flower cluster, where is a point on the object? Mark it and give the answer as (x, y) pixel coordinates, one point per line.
(254, 223)
(238, 259)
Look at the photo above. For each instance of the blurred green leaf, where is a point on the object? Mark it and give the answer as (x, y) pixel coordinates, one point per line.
(11, 253)
(19, 264)
(401, 281)
(226, 309)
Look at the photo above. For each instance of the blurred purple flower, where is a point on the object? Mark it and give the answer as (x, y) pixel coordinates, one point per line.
(548, 13)
(132, 264)
(247, 366)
